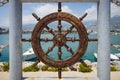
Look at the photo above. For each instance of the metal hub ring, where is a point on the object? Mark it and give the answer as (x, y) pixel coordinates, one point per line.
(59, 40)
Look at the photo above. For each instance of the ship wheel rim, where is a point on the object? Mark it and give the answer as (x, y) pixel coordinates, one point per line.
(63, 17)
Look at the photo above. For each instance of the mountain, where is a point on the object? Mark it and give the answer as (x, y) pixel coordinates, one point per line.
(115, 19)
(114, 24)
(28, 27)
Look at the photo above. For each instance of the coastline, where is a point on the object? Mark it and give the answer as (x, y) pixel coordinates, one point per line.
(40, 64)
(88, 63)
(112, 32)
(65, 75)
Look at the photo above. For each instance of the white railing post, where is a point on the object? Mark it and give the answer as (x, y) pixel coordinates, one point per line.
(15, 35)
(104, 40)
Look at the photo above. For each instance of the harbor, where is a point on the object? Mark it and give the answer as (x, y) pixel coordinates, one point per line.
(92, 47)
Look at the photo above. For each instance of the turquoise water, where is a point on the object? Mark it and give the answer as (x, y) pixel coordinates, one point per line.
(92, 46)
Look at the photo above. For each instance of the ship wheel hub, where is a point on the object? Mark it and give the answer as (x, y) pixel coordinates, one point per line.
(59, 40)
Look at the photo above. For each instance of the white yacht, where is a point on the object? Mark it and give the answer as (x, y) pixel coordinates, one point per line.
(2, 47)
(29, 54)
(116, 46)
(118, 55)
(112, 57)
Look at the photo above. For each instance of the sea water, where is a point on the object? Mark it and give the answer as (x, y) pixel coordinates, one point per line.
(89, 54)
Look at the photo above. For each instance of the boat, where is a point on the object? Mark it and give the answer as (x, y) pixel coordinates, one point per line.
(29, 54)
(112, 57)
(116, 46)
(2, 47)
(118, 55)
(0, 52)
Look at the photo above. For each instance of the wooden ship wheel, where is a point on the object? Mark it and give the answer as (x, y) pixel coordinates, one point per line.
(59, 39)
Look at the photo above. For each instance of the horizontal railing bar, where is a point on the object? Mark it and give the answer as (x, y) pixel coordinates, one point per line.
(59, 0)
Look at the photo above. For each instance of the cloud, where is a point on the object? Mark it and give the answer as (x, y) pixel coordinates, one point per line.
(43, 10)
(49, 8)
(92, 13)
(28, 19)
(40, 10)
(115, 10)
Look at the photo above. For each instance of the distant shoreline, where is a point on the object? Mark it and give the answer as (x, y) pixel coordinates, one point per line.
(45, 32)
(7, 32)
(30, 31)
(4, 32)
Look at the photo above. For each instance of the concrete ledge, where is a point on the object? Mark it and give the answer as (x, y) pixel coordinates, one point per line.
(53, 75)
(115, 75)
(61, 79)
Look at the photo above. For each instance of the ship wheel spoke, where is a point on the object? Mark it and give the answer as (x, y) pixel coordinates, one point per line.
(59, 26)
(69, 49)
(50, 49)
(59, 52)
(73, 39)
(69, 30)
(50, 30)
(59, 21)
(46, 39)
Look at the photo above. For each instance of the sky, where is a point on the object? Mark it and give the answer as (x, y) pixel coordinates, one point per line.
(42, 9)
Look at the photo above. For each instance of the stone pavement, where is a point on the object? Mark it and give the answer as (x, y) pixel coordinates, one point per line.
(66, 76)
(61, 79)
